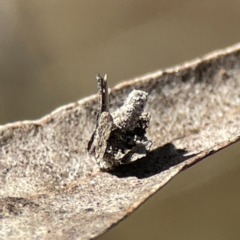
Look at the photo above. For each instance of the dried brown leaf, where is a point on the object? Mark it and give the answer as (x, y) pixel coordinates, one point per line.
(50, 187)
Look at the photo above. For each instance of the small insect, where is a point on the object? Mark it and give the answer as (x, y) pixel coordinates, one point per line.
(119, 137)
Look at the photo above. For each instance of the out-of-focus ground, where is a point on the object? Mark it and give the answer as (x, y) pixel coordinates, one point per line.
(50, 52)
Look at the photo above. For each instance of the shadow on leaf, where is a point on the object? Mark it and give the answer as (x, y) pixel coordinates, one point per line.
(156, 161)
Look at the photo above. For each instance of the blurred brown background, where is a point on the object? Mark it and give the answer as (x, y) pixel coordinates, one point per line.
(50, 52)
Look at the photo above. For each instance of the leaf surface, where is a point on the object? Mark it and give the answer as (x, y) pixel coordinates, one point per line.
(51, 188)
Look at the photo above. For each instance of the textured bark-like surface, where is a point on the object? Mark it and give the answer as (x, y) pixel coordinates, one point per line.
(51, 188)
(119, 138)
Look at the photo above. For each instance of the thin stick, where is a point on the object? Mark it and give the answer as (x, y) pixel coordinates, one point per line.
(102, 94)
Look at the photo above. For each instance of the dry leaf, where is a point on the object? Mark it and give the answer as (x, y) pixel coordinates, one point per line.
(51, 188)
